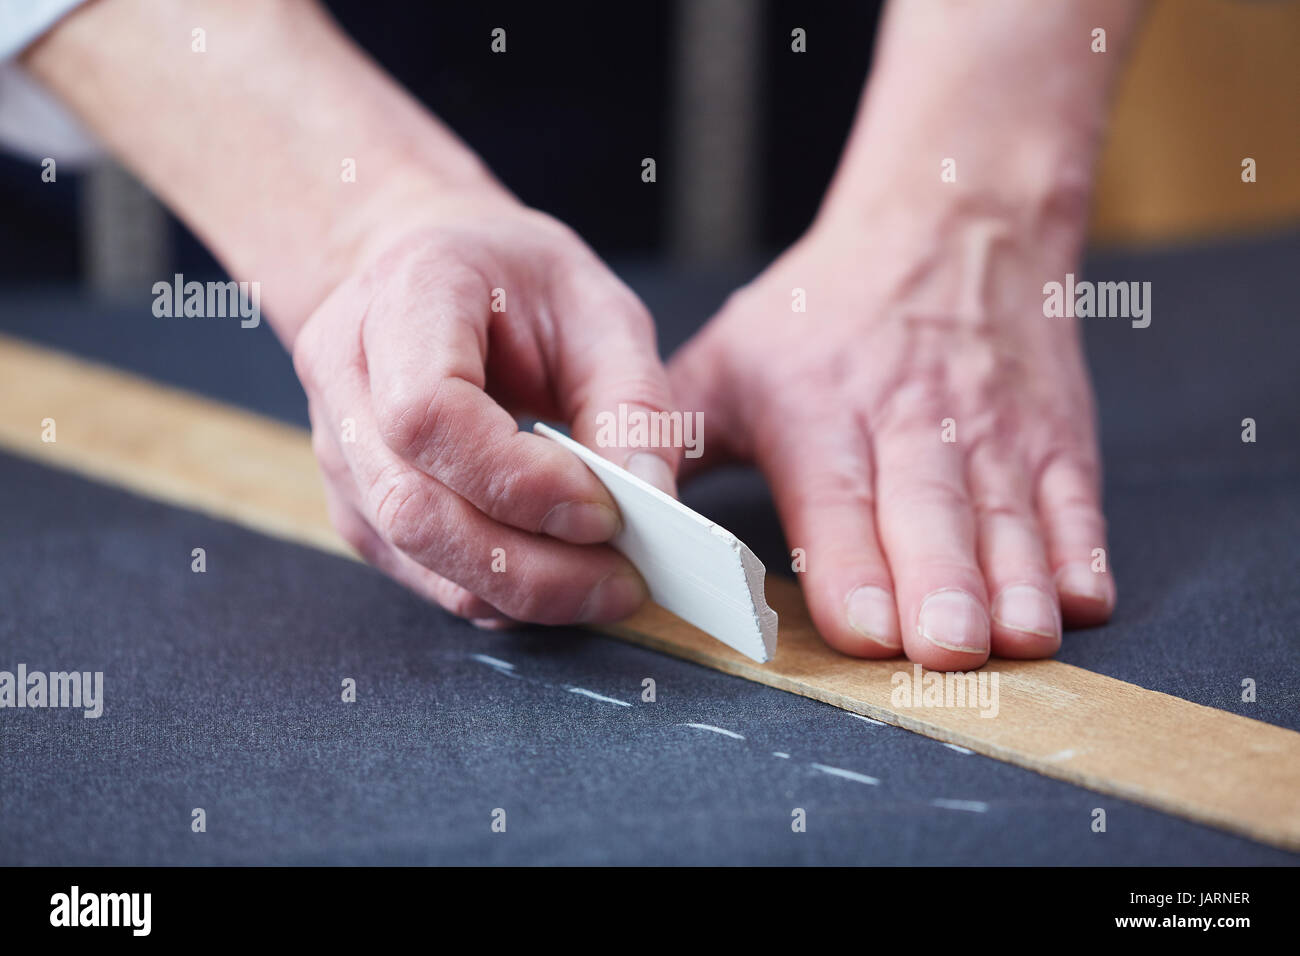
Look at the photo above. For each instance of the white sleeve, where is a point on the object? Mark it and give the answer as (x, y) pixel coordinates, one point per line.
(32, 122)
(22, 21)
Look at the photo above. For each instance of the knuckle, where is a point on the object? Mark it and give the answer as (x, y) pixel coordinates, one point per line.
(529, 605)
(1079, 511)
(1077, 464)
(460, 601)
(562, 237)
(358, 537)
(636, 317)
(443, 260)
(305, 358)
(401, 508)
(407, 254)
(354, 531)
(745, 300)
(984, 368)
(833, 489)
(919, 400)
(640, 388)
(495, 491)
(322, 447)
(431, 265)
(330, 457)
(409, 414)
(932, 491)
(534, 599)
(1001, 508)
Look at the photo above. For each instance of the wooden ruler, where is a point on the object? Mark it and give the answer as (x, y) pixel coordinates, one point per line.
(1116, 738)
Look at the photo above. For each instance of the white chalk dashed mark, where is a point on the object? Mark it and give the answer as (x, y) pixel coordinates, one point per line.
(869, 720)
(777, 753)
(493, 662)
(846, 774)
(960, 750)
(716, 730)
(594, 696)
(969, 806)
(504, 668)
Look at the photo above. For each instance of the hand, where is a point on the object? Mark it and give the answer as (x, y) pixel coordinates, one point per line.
(927, 433)
(383, 281)
(413, 381)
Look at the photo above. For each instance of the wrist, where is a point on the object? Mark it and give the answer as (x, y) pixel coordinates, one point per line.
(994, 109)
(1036, 192)
(327, 250)
(412, 200)
(1038, 178)
(976, 256)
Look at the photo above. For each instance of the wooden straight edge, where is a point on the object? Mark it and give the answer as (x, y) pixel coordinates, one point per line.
(163, 443)
(1113, 737)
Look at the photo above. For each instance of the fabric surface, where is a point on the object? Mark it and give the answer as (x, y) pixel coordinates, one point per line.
(222, 690)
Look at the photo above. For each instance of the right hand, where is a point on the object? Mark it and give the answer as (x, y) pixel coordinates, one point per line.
(431, 476)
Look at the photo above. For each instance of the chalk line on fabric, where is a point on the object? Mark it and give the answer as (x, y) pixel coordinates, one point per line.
(493, 662)
(716, 730)
(846, 774)
(594, 696)
(783, 756)
(969, 806)
(504, 668)
(959, 749)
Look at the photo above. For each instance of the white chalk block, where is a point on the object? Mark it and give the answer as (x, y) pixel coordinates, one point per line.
(698, 570)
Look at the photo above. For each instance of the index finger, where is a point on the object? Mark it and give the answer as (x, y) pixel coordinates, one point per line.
(425, 343)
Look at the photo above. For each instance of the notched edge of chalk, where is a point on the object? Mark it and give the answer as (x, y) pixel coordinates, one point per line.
(755, 573)
(765, 617)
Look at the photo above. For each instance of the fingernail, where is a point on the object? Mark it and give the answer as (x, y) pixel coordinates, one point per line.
(653, 469)
(1023, 607)
(871, 612)
(614, 598)
(1080, 580)
(955, 621)
(581, 522)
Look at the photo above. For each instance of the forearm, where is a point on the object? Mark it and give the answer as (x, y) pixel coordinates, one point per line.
(1010, 91)
(247, 141)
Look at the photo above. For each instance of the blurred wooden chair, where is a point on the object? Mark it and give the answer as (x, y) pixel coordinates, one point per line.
(1210, 83)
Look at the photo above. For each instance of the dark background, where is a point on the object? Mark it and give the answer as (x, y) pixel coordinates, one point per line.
(584, 92)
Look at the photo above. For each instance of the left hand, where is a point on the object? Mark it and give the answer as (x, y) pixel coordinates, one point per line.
(927, 433)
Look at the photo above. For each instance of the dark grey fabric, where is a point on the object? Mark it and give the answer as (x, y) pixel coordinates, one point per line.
(223, 689)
